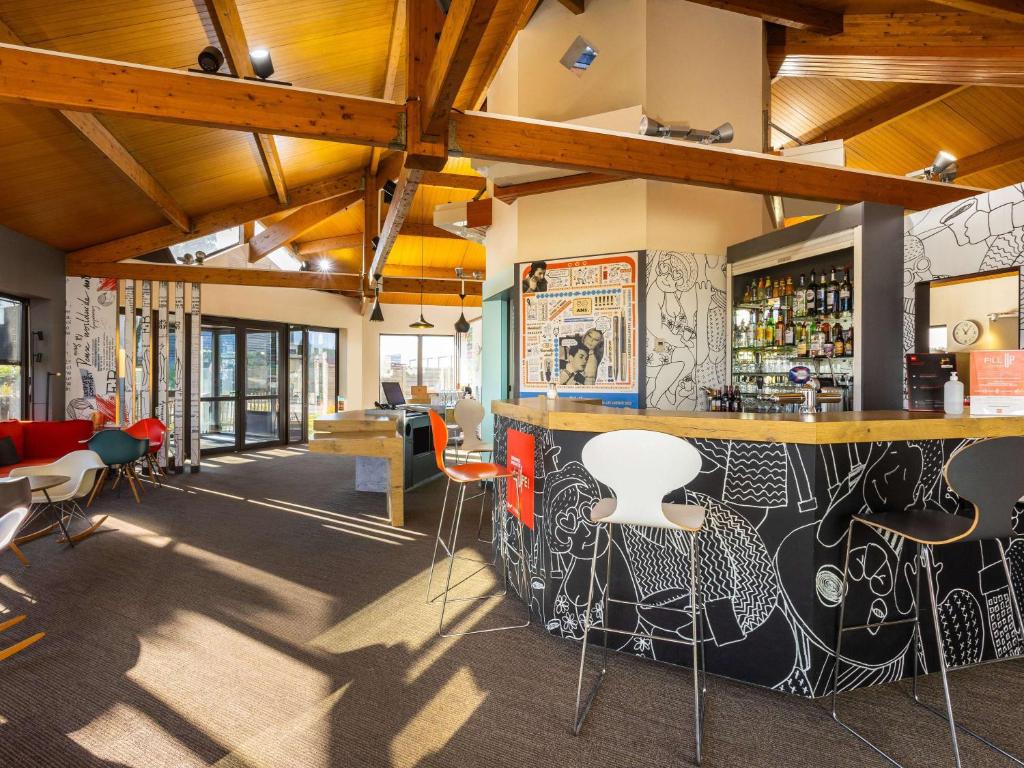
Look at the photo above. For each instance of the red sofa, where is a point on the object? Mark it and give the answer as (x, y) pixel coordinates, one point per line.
(40, 442)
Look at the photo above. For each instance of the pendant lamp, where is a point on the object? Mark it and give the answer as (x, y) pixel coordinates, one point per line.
(422, 322)
(376, 316)
(462, 324)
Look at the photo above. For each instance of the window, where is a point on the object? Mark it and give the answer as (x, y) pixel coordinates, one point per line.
(13, 368)
(419, 360)
(208, 244)
(936, 338)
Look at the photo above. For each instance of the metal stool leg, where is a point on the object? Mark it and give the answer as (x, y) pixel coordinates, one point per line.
(437, 539)
(480, 522)
(448, 585)
(582, 715)
(929, 554)
(840, 628)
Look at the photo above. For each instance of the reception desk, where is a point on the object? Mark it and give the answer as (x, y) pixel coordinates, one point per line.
(778, 491)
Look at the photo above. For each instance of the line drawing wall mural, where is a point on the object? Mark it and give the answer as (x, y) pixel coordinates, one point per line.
(90, 367)
(145, 383)
(771, 558)
(686, 328)
(162, 370)
(979, 234)
(128, 350)
(178, 375)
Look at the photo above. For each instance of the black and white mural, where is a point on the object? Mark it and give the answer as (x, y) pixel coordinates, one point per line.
(686, 328)
(771, 559)
(979, 234)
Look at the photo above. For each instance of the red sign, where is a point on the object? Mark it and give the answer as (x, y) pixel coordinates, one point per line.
(520, 452)
(997, 383)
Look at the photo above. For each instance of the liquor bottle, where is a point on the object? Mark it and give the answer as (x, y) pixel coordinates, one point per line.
(819, 295)
(780, 332)
(736, 404)
(846, 293)
(788, 300)
(832, 294)
(760, 289)
(814, 342)
(848, 342)
(769, 331)
(789, 337)
(838, 345)
(746, 295)
(800, 297)
(811, 294)
(827, 348)
(801, 340)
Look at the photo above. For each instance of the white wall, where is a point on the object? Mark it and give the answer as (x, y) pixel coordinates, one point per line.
(301, 307)
(396, 320)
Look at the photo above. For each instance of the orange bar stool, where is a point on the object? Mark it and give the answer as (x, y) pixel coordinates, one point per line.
(462, 475)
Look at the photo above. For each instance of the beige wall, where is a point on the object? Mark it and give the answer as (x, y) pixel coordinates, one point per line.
(396, 320)
(975, 300)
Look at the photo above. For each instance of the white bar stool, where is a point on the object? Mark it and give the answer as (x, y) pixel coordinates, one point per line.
(469, 415)
(642, 467)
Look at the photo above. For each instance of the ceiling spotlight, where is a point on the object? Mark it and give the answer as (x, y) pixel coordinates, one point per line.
(376, 316)
(389, 191)
(304, 266)
(262, 64)
(323, 265)
(723, 134)
(200, 257)
(210, 59)
(943, 168)
(188, 259)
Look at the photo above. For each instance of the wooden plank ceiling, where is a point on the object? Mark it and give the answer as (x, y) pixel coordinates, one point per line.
(897, 80)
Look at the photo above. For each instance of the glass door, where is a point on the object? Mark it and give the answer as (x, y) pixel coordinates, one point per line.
(321, 374)
(262, 398)
(218, 386)
(296, 385)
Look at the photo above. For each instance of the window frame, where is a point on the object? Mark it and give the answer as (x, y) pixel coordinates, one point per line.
(26, 357)
(419, 355)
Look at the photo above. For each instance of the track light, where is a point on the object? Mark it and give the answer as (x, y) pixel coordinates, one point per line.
(210, 59)
(376, 316)
(200, 257)
(389, 191)
(723, 134)
(262, 64)
(943, 168)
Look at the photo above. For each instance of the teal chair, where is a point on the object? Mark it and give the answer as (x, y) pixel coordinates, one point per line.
(119, 451)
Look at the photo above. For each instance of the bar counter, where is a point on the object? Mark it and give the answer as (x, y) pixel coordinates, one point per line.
(778, 491)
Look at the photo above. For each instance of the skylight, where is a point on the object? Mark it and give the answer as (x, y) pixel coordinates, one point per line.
(208, 244)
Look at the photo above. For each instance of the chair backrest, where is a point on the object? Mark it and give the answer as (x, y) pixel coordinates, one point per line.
(15, 494)
(439, 434)
(990, 475)
(151, 429)
(80, 467)
(469, 414)
(641, 467)
(117, 447)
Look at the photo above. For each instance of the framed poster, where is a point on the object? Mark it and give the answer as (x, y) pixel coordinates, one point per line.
(578, 325)
(997, 383)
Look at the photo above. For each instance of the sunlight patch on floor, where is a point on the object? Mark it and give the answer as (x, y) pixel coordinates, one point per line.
(366, 519)
(106, 737)
(353, 529)
(231, 459)
(435, 724)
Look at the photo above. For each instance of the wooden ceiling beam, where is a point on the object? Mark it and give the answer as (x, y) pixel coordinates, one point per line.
(437, 273)
(453, 181)
(512, 192)
(556, 145)
(575, 7)
(461, 36)
(66, 81)
(412, 285)
(1004, 10)
(874, 115)
(298, 222)
(429, 299)
(990, 158)
(519, 12)
(396, 45)
(408, 183)
(323, 245)
(948, 48)
(234, 215)
(93, 131)
(228, 25)
(420, 229)
(785, 13)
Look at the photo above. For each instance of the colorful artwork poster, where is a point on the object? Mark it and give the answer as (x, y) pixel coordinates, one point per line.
(997, 383)
(578, 328)
(520, 453)
(90, 372)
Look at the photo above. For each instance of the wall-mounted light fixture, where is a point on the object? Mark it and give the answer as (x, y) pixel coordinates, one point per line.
(943, 168)
(211, 59)
(723, 134)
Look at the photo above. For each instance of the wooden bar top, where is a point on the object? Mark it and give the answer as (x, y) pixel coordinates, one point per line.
(368, 422)
(811, 429)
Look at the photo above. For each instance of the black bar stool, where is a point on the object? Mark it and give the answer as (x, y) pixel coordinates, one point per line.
(987, 474)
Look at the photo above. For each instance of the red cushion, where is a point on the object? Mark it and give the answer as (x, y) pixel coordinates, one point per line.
(6, 470)
(54, 438)
(15, 431)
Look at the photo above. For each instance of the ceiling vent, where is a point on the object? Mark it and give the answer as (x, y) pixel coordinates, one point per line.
(469, 220)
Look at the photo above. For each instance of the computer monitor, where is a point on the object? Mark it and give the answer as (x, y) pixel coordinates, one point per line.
(393, 392)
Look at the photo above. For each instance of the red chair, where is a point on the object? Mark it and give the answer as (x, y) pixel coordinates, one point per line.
(462, 475)
(154, 430)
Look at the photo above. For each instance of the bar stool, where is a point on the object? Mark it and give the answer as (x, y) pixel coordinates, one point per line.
(469, 414)
(985, 473)
(642, 467)
(462, 475)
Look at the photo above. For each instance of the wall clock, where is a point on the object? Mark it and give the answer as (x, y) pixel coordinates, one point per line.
(966, 332)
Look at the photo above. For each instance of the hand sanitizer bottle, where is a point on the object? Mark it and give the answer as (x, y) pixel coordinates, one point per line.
(953, 395)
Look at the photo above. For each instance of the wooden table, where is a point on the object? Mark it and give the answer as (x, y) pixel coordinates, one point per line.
(367, 433)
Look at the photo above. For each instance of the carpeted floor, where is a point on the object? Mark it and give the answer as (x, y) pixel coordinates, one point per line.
(261, 614)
